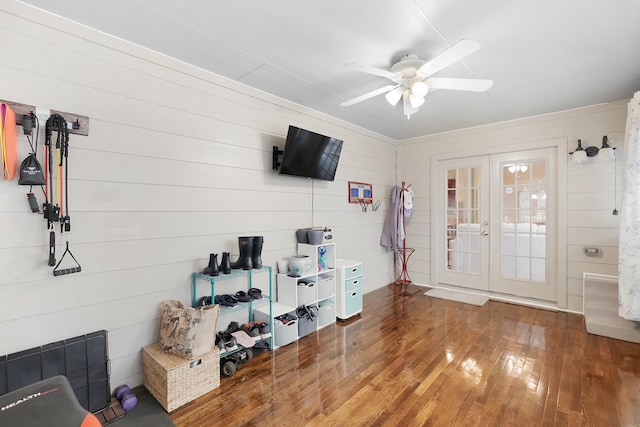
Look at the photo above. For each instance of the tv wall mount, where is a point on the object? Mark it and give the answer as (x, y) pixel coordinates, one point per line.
(276, 155)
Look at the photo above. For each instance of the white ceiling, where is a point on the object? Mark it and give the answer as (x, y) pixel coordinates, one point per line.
(544, 56)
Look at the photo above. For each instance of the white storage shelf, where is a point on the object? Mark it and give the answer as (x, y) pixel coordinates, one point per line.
(315, 288)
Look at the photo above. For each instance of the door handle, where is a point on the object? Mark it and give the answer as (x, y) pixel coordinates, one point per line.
(485, 233)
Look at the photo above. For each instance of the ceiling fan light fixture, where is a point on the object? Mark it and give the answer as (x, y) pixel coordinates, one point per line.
(412, 78)
(394, 95)
(415, 100)
(419, 88)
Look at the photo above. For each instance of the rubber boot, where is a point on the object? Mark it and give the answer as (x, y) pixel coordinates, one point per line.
(256, 254)
(246, 250)
(212, 269)
(225, 264)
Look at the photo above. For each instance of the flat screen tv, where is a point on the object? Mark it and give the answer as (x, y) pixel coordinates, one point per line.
(310, 154)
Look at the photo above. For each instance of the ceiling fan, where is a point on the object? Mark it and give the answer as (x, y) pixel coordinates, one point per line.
(412, 78)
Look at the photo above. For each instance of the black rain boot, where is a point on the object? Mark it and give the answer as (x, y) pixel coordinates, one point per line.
(256, 254)
(246, 250)
(212, 269)
(225, 264)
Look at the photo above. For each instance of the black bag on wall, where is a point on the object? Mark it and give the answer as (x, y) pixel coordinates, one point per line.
(31, 172)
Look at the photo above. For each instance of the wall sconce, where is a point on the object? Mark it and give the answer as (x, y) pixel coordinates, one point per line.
(605, 152)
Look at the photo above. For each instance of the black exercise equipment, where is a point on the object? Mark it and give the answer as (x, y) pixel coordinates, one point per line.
(59, 194)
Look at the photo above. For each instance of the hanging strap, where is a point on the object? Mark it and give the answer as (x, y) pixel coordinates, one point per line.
(8, 142)
(55, 123)
(64, 271)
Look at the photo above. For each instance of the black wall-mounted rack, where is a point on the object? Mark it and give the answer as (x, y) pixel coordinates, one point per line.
(79, 124)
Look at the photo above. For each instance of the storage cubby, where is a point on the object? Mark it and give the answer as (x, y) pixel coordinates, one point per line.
(282, 333)
(314, 288)
(307, 319)
(326, 286)
(326, 312)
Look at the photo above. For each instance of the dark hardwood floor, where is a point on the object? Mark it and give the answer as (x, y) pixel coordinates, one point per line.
(412, 360)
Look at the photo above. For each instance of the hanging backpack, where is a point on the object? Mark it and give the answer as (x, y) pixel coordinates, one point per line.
(31, 172)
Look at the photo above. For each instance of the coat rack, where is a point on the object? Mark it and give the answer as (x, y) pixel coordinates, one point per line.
(404, 253)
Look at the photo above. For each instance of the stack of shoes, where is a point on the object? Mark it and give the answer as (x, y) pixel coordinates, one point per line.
(233, 327)
(240, 335)
(260, 332)
(265, 331)
(226, 300)
(252, 330)
(225, 342)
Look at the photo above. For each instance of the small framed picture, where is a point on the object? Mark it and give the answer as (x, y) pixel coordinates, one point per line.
(360, 191)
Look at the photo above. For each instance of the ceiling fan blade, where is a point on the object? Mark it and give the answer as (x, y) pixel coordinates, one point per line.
(454, 53)
(371, 70)
(407, 108)
(473, 85)
(368, 95)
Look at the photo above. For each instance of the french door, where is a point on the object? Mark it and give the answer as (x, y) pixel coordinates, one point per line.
(495, 221)
(464, 222)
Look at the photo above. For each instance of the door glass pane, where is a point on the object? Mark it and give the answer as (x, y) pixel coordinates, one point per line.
(523, 210)
(463, 213)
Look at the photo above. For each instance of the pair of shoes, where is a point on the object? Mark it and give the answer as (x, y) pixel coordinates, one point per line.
(243, 297)
(233, 327)
(213, 269)
(255, 293)
(265, 331)
(226, 342)
(250, 253)
(252, 330)
(257, 330)
(204, 301)
(226, 300)
(262, 346)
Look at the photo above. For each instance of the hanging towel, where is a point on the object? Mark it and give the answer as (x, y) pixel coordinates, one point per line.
(392, 231)
(8, 142)
(408, 201)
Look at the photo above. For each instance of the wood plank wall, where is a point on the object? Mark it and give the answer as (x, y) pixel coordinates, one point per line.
(590, 187)
(177, 164)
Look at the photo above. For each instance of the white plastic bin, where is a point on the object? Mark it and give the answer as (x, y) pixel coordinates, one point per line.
(306, 292)
(326, 286)
(284, 334)
(326, 312)
(307, 324)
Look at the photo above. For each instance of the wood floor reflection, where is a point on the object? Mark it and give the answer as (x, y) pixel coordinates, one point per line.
(412, 360)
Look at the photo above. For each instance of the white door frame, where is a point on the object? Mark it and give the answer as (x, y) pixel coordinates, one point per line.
(561, 243)
(478, 280)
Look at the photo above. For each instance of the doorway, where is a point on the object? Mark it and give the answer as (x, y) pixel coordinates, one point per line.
(495, 223)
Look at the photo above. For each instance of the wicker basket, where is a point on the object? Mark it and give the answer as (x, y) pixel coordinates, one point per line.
(174, 380)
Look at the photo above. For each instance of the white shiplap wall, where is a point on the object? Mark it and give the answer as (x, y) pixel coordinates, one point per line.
(177, 164)
(590, 187)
